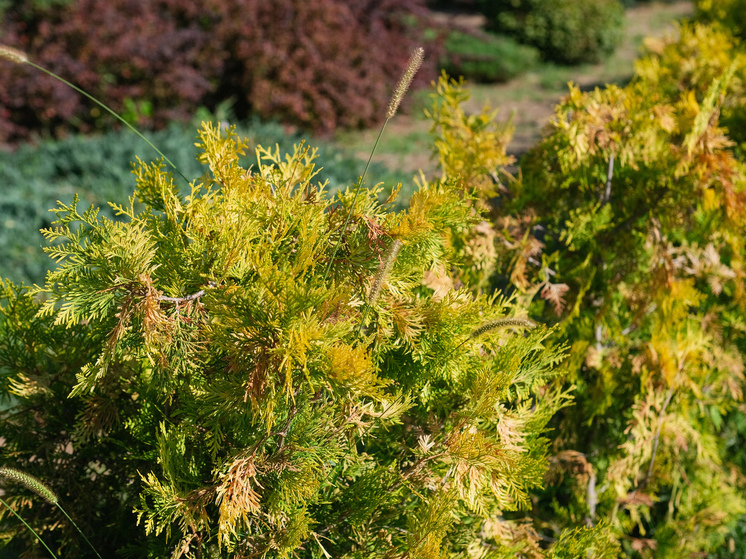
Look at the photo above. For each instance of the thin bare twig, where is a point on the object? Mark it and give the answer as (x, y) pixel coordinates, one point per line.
(609, 175)
(669, 394)
(592, 497)
(182, 299)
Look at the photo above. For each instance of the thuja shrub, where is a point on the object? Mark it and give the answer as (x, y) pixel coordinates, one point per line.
(258, 370)
(625, 230)
(319, 65)
(564, 31)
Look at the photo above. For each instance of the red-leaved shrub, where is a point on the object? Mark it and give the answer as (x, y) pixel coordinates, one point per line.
(318, 65)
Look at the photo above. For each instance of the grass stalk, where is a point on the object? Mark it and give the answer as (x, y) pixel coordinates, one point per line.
(415, 61)
(79, 530)
(19, 57)
(354, 199)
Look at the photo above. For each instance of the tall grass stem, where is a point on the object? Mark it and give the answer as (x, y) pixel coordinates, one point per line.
(414, 63)
(38, 537)
(79, 530)
(354, 199)
(110, 111)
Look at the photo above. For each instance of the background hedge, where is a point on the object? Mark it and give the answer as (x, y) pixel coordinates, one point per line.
(486, 57)
(564, 31)
(319, 65)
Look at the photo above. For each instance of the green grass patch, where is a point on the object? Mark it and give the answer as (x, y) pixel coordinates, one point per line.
(486, 57)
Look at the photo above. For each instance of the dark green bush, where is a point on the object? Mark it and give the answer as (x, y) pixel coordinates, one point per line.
(99, 170)
(564, 31)
(26, 7)
(486, 57)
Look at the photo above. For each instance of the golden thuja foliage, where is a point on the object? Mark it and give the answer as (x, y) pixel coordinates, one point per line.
(624, 228)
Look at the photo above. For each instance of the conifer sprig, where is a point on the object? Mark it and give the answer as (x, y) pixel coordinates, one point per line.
(415, 61)
(19, 57)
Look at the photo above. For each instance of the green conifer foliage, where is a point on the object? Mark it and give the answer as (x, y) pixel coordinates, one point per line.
(626, 229)
(195, 362)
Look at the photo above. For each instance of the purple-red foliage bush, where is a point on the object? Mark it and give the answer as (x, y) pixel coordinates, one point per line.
(318, 65)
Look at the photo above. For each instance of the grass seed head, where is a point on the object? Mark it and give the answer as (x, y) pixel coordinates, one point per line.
(30, 483)
(14, 55)
(502, 323)
(415, 61)
(383, 271)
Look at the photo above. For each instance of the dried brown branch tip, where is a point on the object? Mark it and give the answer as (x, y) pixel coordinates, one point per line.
(30, 483)
(14, 55)
(415, 61)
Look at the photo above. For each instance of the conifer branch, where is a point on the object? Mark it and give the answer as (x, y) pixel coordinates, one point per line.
(284, 433)
(413, 469)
